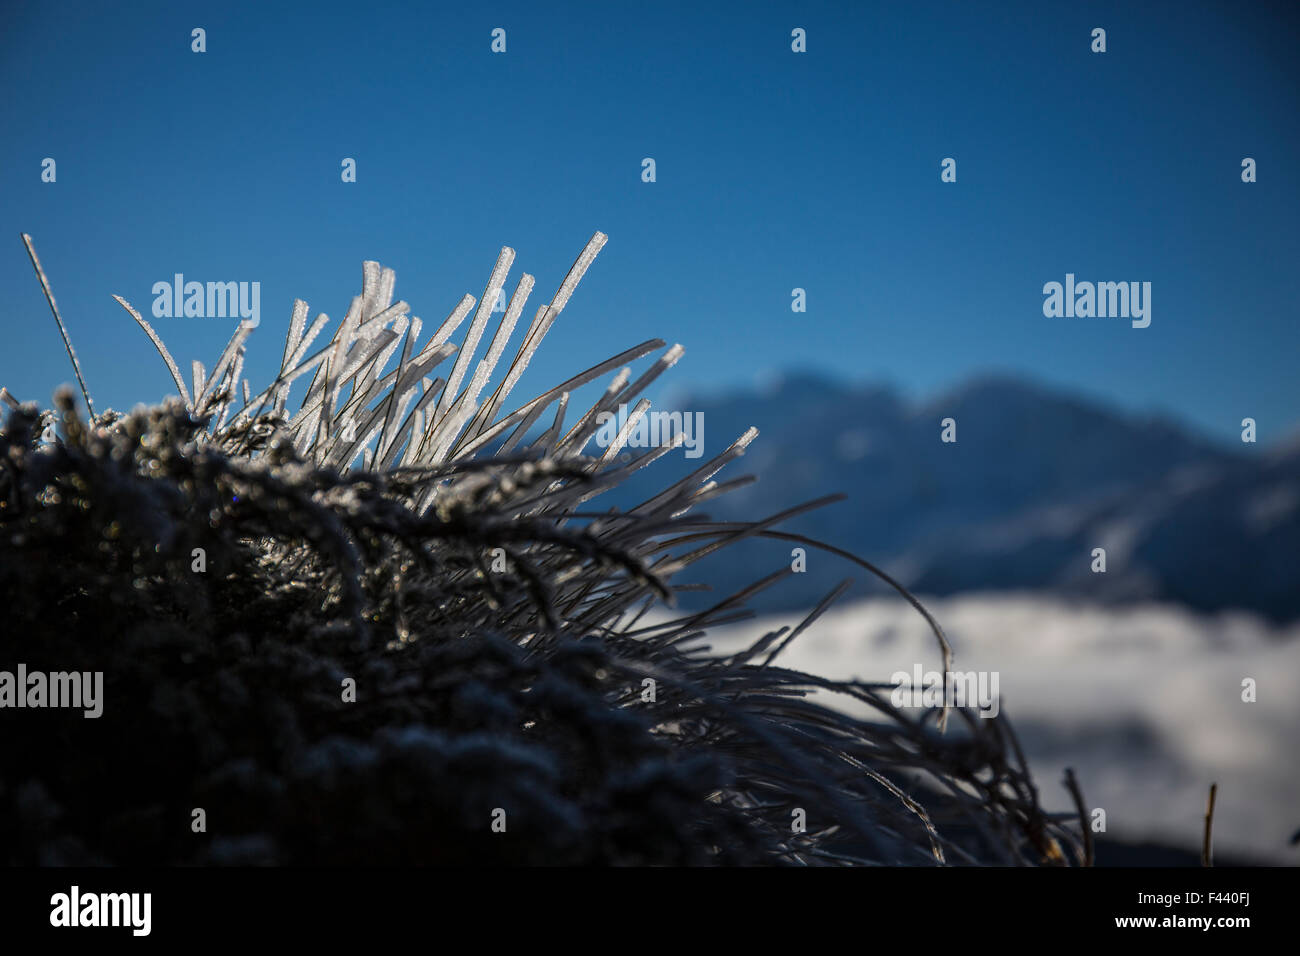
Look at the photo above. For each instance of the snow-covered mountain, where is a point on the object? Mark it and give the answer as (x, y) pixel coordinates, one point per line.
(1036, 480)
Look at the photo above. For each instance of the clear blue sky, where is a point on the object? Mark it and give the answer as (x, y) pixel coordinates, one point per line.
(775, 170)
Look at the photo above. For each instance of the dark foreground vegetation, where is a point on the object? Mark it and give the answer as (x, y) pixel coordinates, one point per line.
(394, 625)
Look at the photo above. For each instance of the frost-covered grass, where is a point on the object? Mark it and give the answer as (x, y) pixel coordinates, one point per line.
(233, 558)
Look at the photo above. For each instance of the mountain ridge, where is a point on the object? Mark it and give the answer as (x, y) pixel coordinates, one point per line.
(1038, 477)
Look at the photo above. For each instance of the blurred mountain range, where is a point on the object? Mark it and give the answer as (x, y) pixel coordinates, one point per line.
(1036, 480)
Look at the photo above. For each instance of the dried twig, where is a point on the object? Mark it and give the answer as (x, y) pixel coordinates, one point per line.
(1207, 844)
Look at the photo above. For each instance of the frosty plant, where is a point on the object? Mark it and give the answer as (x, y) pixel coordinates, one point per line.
(515, 687)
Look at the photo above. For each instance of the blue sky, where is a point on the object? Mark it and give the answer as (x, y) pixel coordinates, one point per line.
(775, 170)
